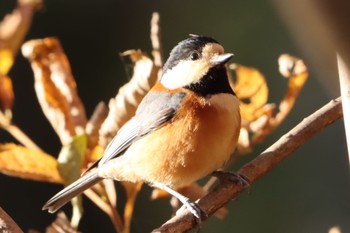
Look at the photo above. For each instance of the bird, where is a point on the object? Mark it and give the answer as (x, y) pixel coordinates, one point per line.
(185, 128)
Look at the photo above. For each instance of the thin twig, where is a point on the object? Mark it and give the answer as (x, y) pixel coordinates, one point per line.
(107, 208)
(258, 167)
(17, 133)
(344, 80)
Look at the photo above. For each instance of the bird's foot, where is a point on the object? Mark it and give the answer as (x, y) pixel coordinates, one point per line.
(232, 177)
(195, 210)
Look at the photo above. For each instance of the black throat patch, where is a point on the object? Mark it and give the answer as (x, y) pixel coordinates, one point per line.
(215, 81)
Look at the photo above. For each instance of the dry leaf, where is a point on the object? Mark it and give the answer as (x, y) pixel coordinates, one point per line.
(259, 117)
(14, 26)
(92, 131)
(156, 42)
(6, 61)
(55, 87)
(123, 106)
(251, 89)
(30, 164)
(296, 71)
(13, 29)
(94, 124)
(6, 92)
(95, 154)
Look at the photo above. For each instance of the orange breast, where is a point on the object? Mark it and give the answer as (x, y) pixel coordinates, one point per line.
(198, 140)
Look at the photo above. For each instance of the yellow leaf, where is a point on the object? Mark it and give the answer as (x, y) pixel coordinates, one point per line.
(6, 61)
(93, 156)
(55, 87)
(13, 29)
(30, 164)
(251, 89)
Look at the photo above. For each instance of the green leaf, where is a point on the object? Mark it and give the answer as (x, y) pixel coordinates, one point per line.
(69, 161)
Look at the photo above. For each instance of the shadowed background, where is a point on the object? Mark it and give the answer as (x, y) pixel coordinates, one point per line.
(309, 192)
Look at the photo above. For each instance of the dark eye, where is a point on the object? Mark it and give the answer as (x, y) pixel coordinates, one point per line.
(194, 56)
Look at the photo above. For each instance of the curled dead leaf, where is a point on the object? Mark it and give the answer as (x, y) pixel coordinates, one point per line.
(29, 164)
(123, 106)
(55, 87)
(295, 70)
(259, 117)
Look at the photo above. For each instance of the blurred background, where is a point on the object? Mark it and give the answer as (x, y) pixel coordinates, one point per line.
(308, 192)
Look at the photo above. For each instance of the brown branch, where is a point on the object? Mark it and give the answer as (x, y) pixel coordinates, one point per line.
(7, 224)
(261, 165)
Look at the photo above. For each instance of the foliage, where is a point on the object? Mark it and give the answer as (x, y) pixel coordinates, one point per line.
(83, 140)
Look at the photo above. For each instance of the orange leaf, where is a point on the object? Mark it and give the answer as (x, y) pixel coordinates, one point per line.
(6, 92)
(55, 87)
(95, 154)
(30, 164)
(251, 89)
(6, 61)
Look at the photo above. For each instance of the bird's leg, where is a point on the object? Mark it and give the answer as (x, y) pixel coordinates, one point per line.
(191, 206)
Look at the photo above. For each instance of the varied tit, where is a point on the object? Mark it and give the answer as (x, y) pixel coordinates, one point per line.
(185, 128)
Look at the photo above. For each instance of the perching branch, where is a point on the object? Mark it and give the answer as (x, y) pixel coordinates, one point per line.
(258, 167)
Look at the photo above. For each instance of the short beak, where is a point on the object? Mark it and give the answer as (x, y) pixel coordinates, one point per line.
(221, 59)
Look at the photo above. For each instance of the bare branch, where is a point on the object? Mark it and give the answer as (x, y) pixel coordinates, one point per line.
(261, 165)
(7, 224)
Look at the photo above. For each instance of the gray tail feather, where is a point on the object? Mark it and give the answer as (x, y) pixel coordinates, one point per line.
(72, 190)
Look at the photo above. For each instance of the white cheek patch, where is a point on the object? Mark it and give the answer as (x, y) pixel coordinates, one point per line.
(184, 73)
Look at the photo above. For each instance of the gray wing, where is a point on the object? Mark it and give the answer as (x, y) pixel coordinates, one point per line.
(154, 110)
